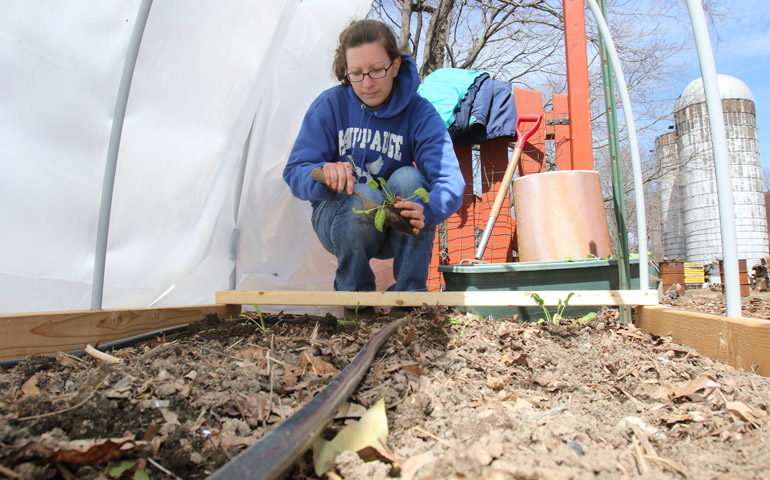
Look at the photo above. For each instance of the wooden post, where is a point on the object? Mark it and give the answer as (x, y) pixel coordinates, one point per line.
(577, 85)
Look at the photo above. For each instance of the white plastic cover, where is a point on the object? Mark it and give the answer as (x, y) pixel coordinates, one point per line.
(206, 72)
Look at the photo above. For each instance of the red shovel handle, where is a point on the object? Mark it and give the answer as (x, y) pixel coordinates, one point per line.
(522, 138)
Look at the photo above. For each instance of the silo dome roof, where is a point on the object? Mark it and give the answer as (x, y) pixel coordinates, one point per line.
(729, 87)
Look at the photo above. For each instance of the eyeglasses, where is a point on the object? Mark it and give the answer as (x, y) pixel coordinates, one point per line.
(373, 74)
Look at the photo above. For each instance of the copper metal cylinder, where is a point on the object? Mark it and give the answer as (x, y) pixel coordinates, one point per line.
(672, 273)
(560, 215)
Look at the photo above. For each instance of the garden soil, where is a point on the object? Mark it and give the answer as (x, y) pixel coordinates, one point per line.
(465, 398)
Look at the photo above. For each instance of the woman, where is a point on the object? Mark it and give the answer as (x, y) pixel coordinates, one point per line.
(375, 125)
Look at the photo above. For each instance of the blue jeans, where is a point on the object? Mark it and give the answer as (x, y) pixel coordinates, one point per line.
(352, 238)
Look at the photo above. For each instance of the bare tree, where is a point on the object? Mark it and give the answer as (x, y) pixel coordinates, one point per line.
(522, 42)
(436, 37)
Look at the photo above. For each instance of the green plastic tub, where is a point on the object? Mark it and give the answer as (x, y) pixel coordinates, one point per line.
(591, 274)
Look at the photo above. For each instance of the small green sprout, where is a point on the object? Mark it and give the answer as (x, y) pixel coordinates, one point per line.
(355, 321)
(379, 211)
(585, 318)
(250, 319)
(123, 469)
(559, 308)
(466, 322)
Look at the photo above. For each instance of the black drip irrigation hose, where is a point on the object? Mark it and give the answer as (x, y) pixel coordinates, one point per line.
(277, 451)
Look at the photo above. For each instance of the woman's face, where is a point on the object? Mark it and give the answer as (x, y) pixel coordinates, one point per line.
(365, 58)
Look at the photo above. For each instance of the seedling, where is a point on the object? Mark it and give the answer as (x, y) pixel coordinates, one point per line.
(127, 469)
(342, 321)
(585, 318)
(559, 308)
(380, 212)
(465, 322)
(250, 319)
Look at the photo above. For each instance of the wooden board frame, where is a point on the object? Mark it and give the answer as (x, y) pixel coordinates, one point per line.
(52, 332)
(742, 342)
(475, 298)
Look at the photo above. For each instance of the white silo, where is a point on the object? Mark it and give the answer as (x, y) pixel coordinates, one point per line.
(672, 229)
(700, 208)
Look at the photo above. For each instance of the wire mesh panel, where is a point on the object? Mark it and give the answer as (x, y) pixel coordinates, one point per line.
(483, 167)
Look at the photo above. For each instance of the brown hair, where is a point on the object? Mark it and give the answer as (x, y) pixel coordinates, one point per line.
(360, 33)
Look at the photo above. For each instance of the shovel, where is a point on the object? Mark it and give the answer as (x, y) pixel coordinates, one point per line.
(521, 140)
(393, 216)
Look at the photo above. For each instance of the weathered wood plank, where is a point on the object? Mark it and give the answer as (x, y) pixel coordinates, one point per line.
(742, 342)
(51, 332)
(456, 299)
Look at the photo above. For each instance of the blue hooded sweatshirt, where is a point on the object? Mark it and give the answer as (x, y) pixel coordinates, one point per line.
(404, 131)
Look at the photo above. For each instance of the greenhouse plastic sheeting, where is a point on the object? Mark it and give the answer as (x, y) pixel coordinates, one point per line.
(217, 97)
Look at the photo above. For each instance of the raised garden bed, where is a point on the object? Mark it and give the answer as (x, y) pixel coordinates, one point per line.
(465, 399)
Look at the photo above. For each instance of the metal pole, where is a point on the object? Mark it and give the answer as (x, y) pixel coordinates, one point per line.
(624, 266)
(241, 176)
(633, 144)
(708, 72)
(108, 185)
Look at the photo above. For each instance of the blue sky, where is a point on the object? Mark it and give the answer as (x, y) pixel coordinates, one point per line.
(741, 46)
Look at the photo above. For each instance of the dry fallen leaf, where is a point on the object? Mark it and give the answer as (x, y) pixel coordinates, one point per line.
(30, 387)
(498, 382)
(253, 355)
(316, 365)
(745, 412)
(169, 416)
(93, 451)
(415, 369)
(365, 436)
(412, 466)
(541, 380)
(696, 390)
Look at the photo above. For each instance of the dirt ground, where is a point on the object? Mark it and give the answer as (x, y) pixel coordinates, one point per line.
(465, 398)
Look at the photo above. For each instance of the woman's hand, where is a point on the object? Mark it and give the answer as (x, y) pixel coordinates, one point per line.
(413, 212)
(338, 176)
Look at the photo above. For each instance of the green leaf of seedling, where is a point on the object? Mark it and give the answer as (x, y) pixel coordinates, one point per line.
(117, 469)
(373, 184)
(538, 299)
(355, 210)
(561, 307)
(379, 219)
(422, 193)
(585, 318)
(382, 181)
